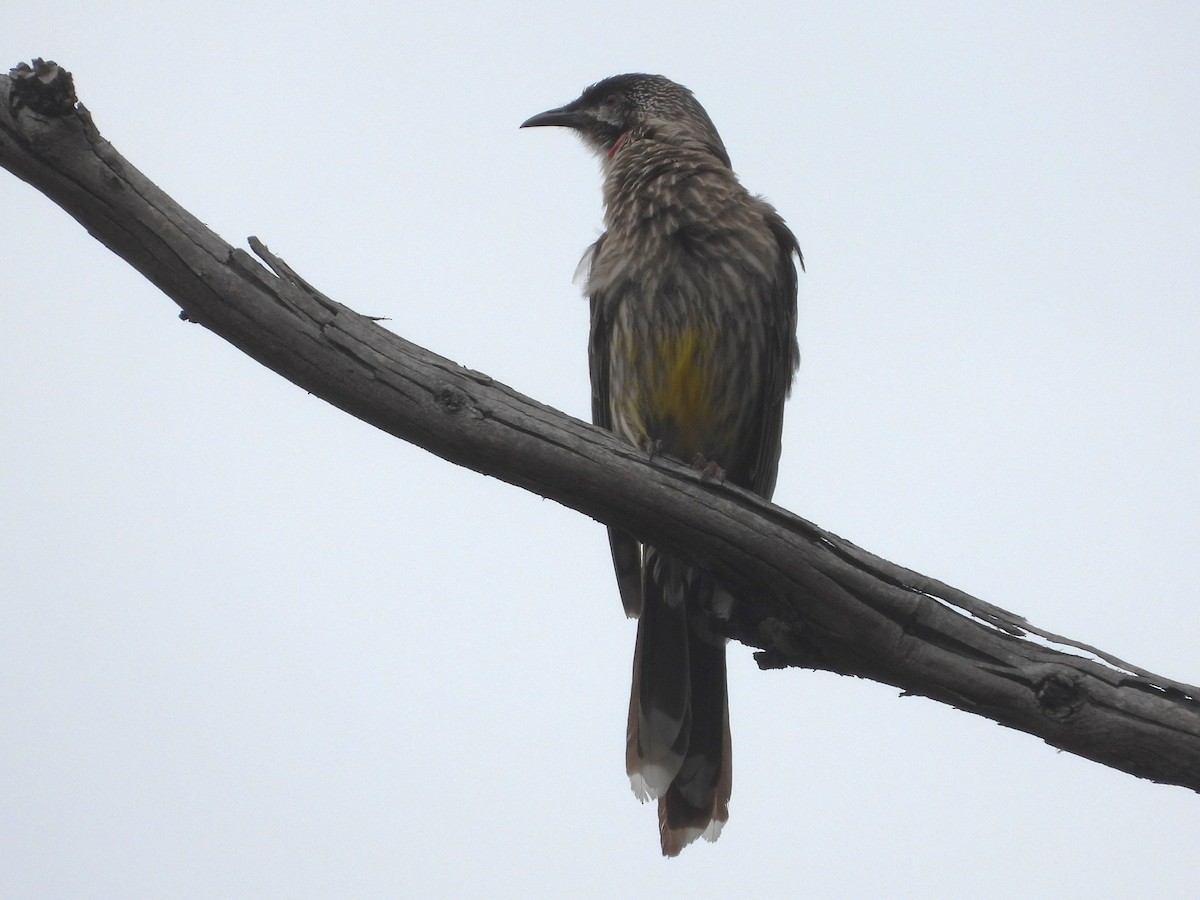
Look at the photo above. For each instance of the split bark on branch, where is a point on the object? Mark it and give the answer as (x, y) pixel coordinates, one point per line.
(808, 597)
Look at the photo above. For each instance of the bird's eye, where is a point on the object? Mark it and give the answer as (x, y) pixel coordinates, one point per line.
(610, 101)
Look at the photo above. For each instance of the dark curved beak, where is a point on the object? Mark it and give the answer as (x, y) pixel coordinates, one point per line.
(564, 116)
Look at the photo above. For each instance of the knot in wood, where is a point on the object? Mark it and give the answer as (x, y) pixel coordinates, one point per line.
(450, 399)
(1059, 695)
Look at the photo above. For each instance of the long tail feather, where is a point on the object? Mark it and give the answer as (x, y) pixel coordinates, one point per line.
(678, 743)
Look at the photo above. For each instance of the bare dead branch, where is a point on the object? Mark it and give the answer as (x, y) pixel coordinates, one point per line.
(808, 597)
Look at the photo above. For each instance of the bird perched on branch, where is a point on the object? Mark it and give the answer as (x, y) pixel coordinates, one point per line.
(692, 353)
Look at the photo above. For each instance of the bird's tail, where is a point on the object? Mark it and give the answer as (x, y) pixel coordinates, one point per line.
(678, 745)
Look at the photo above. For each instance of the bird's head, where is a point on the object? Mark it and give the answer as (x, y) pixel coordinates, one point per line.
(623, 106)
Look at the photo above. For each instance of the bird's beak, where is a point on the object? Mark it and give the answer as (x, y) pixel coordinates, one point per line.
(564, 116)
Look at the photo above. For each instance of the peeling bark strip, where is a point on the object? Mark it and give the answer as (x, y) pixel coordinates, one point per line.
(809, 598)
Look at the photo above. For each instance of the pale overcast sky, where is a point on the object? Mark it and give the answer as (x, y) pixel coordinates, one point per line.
(250, 647)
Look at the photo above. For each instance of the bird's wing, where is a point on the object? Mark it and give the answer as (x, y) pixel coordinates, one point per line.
(626, 551)
(783, 357)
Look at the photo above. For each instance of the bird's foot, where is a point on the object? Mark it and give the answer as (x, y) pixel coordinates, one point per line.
(708, 469)
(654, 448)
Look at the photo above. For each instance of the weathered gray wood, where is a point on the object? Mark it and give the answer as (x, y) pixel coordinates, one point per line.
(808, 597)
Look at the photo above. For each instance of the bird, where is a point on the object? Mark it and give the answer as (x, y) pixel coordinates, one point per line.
(692, 353)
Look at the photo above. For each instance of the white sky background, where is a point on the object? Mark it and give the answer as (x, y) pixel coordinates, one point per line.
(250, 646)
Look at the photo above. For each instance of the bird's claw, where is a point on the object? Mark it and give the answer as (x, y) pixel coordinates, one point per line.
(708, 469)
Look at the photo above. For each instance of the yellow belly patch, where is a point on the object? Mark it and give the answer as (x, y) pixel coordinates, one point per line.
(677, 398)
